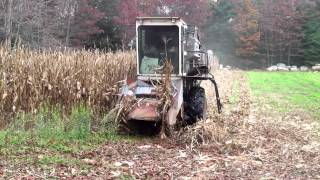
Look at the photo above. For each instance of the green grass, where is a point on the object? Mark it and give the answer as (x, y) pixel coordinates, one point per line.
(288, 91)
(48, 132)
(25, 148)
(234, 98)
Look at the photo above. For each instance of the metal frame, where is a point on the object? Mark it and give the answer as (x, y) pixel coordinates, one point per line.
(154, 21)
(175, 21)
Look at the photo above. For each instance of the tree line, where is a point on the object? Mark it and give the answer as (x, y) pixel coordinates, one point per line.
(244, 33)
(261, 33)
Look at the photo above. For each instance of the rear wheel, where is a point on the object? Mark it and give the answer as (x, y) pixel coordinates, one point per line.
(195, 105)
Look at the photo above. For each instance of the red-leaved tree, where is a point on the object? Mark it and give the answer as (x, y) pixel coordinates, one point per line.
(85, 24)
(281, 30)
(246, 28)
(192, 11)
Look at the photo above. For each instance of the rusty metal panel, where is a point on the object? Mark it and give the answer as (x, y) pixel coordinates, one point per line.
(177, 101)
(145, 110)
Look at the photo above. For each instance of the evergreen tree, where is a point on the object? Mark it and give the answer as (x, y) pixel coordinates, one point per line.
(312, 36)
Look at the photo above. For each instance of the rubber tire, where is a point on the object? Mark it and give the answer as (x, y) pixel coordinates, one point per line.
(196, 105)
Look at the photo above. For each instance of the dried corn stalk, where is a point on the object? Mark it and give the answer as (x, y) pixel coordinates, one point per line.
(30, 79)
(165, 96)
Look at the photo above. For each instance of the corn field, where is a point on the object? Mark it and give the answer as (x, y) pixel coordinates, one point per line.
(31, 79)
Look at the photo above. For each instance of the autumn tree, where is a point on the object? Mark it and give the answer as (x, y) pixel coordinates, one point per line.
(6, 19)
(86, 19)
(33, 22)
(193, 11)
(48, 23)
(110, 38)
(281, 26)
(246, 28)
(128, 11)
(82, 20)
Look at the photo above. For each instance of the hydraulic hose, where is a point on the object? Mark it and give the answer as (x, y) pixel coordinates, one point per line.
(219, 105)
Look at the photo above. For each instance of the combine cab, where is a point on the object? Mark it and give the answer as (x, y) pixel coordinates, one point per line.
(160, 40)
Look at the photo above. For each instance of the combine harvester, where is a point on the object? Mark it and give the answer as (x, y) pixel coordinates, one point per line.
(160, 40)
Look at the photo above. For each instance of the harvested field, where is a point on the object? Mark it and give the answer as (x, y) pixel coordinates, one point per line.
(249, 140)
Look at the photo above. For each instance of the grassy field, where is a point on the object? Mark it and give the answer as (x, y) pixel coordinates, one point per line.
(288, 91)
(52, 140)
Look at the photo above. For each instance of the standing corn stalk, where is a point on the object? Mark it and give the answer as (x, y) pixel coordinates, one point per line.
(165, 95)
(31, 79)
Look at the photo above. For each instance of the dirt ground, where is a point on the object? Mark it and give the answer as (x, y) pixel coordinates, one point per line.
(248, 141)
